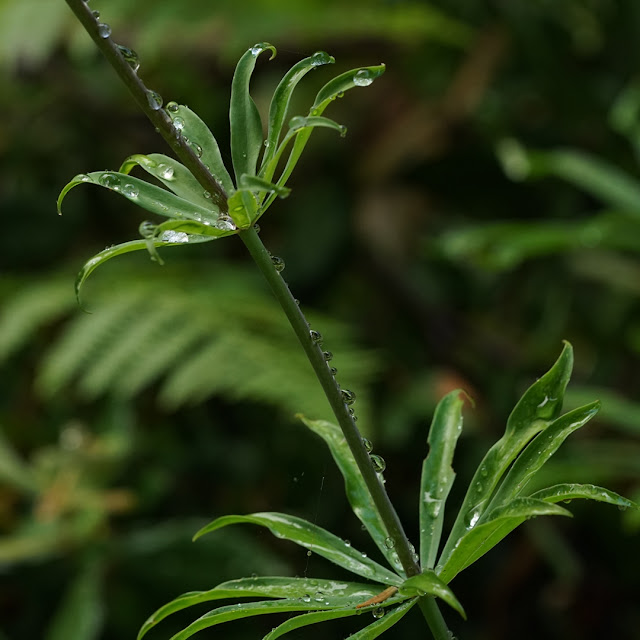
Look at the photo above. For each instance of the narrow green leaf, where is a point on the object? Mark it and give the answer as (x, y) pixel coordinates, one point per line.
(539, 450)
(148, 196)
(428, 583)
(483, 537)
(189, 232)
(308, 619)
(254, 183)
(381, 625)
(535, 411)
(321, 593)
(360, 77)
(437, 474)
(572, 491)
(355, 487)
(202, 142)
(242, 610)
(282, 96)
(127, 247)
(246, 126)
(314, 538)
(174, 175)
(243, 208)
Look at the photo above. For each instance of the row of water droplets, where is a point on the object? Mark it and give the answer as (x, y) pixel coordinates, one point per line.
(155, 101)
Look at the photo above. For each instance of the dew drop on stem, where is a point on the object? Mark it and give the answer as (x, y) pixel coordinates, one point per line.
(378, 462)
(327, 355)
(154, 99)
(367, 444)
(378, 613)
(104, 30)
(147, 229)
(349, 397)
(173, 107)
(278, 263)
(316, 337)
(130, 56)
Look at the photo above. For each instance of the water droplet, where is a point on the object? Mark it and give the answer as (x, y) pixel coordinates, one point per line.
(257, 49)
(104, 30)
(309, 553)
(364, 554)
(321, 57)
(147, 229)
(478, 487)
(172, 107)
(174, 236)
(483, 471)
(327, 355)
(225, 223)
(130, 191)
(347, 543)
(378, 463)
(306, 598)
(333, 371)
(349, 397)
(165, 171)
(194, 146)
(363, 78)
(109, 180)
(389, 543)
(154, 99)
(319, 597)
(130, 56)
(207, 195)
(623, 507)
(256, 228)
(178, 123)
(316, 336)
(340, 94)
(95, 14)
(368, 445)
(278, 263)
(472, 519)
(82, 177)
(378, 613)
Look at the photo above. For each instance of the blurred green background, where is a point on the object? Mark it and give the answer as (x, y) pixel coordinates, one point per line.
(484, 206)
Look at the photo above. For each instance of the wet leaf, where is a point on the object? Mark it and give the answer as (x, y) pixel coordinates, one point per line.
(314, 538)
(355, 487)
(572, 491)
(246, 126)
(437, 474)
(534, 412)
(378, 627)
(428, 583)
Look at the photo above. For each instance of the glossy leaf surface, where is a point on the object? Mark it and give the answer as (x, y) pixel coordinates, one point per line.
(428, 583)
(437, 474)
(148, 196)
(535, 411)
(355, 487)
(246, 126)
(320, 593)
(314, 538)
(571, 491)
(482, 537)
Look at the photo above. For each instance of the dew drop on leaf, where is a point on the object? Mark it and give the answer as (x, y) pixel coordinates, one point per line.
(130, 191)
(175, 236)
(109, 180)
(165, 171)
(178, 123)
(389, 543)
(173, 107)
(378, 613)
(225, 223)
(363, 78)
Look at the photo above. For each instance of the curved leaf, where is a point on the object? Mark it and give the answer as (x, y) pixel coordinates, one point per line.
(202, 141)
(483, 537)
(311, 537)
(572, 491)
(360, 77)
(355, 487)
(246, 126)
(429, 584)
(126, 247)
(535, 411)
(281, 98)
(539, 450)
(386, 622)
(437, 474)
(322, 593)
(173, 175)
(148, 196)
(308, 619)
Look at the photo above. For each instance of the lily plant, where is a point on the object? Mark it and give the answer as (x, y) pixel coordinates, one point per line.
(201, 201)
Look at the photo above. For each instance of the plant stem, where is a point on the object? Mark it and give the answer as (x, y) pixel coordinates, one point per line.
(301, 327)
(152, 109)
(262, 258)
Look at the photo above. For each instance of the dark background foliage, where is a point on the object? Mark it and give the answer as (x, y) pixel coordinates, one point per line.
(119, 442)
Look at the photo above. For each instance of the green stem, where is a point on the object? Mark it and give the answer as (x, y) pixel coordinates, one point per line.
(262, 258)
(159, 117)
(301, 327)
